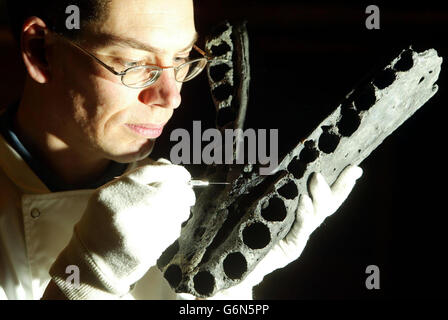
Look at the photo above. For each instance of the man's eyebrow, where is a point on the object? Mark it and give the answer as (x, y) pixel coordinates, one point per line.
(136, 44)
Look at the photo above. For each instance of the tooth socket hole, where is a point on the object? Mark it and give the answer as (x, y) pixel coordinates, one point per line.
(297, 168)
(345, 105)
(289, 191)
(173, 274)
(218, 72)
(220, 50)
(256, 235)
(366, 98)
(309, 153)
(275, 211)
(222, 92)
(168, 254)
(225, 116)
(328, 142)
(199, 232)
(235, 265)
(384, 79)
(204, 283)
(405, 62)
(349, 123)
(217, 31)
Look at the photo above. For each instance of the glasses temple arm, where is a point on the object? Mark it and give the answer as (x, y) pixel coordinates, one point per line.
(202, 52)
(98, 60)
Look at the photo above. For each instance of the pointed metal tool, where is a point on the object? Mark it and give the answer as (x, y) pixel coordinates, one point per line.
(204, 183)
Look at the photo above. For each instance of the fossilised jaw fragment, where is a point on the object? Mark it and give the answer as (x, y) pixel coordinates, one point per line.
(229, 73)
(220, 70)
(232, 228)
(234, 237)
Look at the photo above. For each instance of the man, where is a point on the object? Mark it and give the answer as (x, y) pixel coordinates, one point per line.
(81, 122)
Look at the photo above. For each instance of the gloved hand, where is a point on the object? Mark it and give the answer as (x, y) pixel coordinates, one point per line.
(310, 214)
(127, 224)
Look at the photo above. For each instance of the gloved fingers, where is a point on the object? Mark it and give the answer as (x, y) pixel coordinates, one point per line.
(302, 227)
(160, 172)
(304, 213)
(177, 194)
(345, 183)
(181, 215)
(291, 246)
(185, 296)
(305, 207)
(178, 215)
(322, 195)
(163, 161)
(305, 216)
(164, 223)
(279, 256)
(160, 161)
(269, 263)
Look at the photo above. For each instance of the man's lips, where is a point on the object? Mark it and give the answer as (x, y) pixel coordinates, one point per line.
(146, 130)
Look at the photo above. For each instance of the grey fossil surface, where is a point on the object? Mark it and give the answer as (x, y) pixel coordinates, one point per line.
(232, 227)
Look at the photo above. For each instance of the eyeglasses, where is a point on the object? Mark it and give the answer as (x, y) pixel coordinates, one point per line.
(143, 76)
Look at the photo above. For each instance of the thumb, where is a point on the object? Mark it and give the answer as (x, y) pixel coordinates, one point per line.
(345, 183)
(160, 172)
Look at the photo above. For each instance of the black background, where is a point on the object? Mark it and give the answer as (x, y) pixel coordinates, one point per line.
(305, 58)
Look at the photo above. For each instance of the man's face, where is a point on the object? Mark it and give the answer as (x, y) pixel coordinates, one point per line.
(93, 111)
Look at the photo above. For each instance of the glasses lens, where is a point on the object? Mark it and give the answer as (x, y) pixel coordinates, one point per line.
(140, 76)
(189, 70)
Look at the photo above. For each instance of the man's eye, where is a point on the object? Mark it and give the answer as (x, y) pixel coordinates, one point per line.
(180, 60)
(129, 64)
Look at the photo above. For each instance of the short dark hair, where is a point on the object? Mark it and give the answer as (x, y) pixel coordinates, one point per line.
(52, 12)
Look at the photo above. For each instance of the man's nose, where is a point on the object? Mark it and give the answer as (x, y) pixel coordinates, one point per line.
(165, 92)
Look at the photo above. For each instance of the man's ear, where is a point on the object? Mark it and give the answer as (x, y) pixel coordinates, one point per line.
(34, 46)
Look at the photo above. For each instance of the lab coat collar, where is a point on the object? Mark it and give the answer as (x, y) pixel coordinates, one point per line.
(18, 171)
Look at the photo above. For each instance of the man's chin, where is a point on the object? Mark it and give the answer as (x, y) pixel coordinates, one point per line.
(144, 151)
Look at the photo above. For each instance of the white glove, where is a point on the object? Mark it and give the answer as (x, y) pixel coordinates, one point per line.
(127, 225)
(310, 214)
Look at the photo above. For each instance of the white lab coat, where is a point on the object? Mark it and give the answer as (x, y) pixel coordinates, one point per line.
(36, 224)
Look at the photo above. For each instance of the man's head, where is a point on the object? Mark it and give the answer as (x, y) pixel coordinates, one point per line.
(54, 14)
(78, 102)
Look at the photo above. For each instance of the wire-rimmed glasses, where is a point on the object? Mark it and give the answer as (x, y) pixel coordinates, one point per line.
(143, 76)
